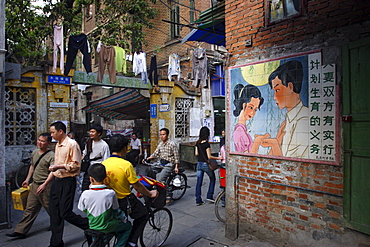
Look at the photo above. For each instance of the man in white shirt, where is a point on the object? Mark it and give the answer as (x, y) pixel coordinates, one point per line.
(96, 150)
(292, 138)
(136, 150)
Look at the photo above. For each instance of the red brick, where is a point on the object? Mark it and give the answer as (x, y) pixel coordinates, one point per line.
(290, 209)
(333, 203)
(276, 230)
(288, 218)
(302, 217)
(335, 191)
(288, 229)
(314, 226)
(333, 185)
(253, 173)
(301, 227)
(316, 216)
(292, 199)
(334, 215)
(333, 226)
(320, 205)
(280, 187)
(251, 181)
(303, 196)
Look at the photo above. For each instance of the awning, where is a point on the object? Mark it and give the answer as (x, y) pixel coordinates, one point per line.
(211, 28)
(127, 104)
(211, 33)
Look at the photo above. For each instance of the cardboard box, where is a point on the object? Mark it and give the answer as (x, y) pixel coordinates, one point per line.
(19, 197)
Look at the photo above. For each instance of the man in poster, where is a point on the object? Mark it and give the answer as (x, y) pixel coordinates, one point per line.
(293, 136)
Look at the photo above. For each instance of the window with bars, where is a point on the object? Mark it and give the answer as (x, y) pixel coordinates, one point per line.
(20, 116)
(278, 10)
(175, 18)
(192, 11)
(182, 116)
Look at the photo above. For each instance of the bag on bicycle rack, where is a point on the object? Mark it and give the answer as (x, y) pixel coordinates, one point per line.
(150, 184)
(160, 200)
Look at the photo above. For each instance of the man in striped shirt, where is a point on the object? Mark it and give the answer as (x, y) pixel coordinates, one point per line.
(168, 154)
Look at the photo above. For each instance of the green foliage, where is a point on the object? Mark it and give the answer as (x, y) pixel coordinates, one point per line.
(29, 29)
(121, 22)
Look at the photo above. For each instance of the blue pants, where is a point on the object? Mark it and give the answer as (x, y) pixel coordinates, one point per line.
(202, 167)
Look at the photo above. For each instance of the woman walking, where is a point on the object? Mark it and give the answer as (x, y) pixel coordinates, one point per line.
(203, 151)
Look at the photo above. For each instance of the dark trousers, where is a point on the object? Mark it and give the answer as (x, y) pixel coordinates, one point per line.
(85, 182)
(153, 74)
(62, 194)
(75, 43)
(138, 212)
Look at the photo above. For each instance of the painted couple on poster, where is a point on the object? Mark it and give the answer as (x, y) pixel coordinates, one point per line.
(284, 108)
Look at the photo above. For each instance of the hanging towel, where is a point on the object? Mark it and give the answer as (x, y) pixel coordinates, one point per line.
(120, 59)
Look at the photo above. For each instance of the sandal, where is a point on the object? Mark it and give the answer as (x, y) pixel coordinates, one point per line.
(168, 199)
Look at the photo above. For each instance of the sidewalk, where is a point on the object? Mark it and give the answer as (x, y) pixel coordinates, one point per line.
(193, 226)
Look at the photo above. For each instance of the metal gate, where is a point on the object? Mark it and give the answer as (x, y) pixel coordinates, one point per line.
(20, 116)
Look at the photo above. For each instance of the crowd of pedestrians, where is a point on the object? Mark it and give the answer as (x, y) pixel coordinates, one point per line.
(107, 177)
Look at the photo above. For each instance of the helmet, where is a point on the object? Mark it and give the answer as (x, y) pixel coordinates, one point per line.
(177, 182)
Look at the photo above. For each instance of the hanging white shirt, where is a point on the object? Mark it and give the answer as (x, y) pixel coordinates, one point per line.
(139, 64)
(174, 66)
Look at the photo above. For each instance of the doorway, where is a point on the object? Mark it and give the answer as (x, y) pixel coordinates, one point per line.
(356, 127)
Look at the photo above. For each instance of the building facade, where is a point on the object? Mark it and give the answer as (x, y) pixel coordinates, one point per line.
(174, 97)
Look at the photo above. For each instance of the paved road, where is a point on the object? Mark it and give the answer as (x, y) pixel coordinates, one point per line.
(194, 226)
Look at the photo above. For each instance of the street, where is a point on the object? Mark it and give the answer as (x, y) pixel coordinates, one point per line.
(193, 226)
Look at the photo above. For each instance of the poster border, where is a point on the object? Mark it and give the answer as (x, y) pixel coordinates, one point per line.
(337, 114)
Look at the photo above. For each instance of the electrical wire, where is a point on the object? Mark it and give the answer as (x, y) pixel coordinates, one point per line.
(169, 7)
(186, 6)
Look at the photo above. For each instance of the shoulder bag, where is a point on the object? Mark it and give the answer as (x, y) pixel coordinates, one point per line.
(212, 164)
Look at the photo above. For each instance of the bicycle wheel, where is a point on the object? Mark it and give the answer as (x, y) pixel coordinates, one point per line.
(179, 190)
(157, 229)
(220, 210)
(110, 240)
(21, 175)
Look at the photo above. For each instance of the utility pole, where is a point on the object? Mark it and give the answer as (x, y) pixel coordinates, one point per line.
(4, 223)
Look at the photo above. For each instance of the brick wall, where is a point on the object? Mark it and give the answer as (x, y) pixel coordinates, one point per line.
(290, 203)
(246, 20)
(284, 196)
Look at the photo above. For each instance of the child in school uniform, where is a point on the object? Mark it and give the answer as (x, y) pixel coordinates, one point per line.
(102, 209)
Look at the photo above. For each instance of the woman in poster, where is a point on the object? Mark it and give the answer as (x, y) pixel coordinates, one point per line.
(247, 100)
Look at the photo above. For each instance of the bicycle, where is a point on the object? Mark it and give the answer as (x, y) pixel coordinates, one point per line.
(176, 183)
(22, 171)
(99, 239)
(220, 209)
(158, 226)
